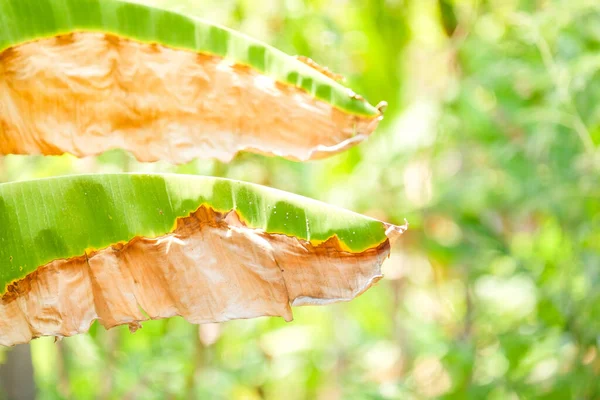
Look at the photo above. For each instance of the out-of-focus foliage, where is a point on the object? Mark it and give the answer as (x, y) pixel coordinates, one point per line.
(489, 148)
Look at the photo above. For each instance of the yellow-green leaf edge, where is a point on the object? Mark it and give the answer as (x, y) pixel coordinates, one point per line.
(59, 218)
(26, 20)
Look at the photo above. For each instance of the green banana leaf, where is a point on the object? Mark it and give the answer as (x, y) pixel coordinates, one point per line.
(143, 79)
(55, 231)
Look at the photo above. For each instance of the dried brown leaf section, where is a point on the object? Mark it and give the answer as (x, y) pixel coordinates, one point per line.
(211, 268)
(85, 93)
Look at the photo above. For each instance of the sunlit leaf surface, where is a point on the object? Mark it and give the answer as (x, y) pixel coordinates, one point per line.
(86, 76)
(124, 248)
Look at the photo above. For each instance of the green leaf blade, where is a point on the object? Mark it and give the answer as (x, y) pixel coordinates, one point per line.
(27, 20)
(58, 218)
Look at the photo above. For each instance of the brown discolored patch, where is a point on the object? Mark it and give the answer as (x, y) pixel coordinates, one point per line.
(115, 41)
(154, 48)
(7, 54)
(65, 40)
(85, 93)
(211, 268)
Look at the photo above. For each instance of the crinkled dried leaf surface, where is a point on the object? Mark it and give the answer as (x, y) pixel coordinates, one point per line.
(84, 76)
(123, 248)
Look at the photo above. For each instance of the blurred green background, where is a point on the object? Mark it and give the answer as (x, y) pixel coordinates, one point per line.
(488, 148)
